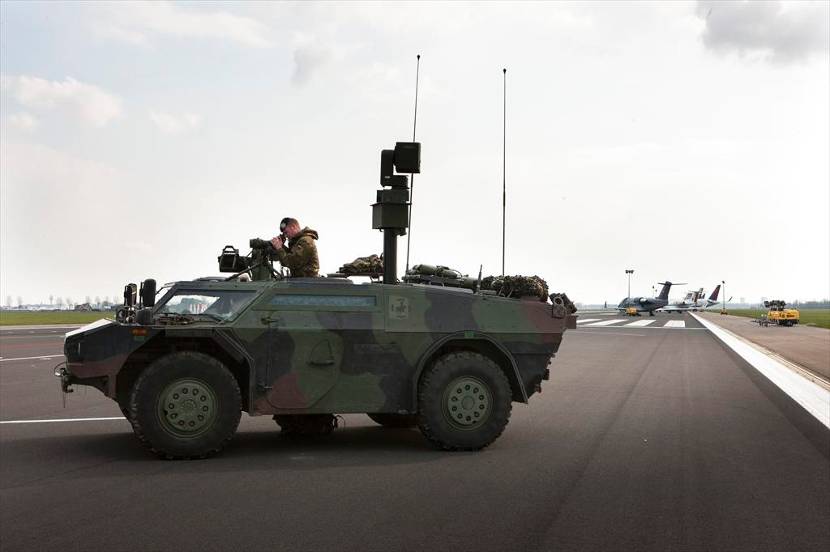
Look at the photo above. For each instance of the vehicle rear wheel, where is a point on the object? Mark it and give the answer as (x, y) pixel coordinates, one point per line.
(394, 420)
(185, 405)
(464, 402)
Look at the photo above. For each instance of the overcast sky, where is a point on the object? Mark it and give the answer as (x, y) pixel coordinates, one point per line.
(688, 141)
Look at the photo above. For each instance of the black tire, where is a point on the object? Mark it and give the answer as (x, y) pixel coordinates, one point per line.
(400, 421)
(194, 375)
(125, 410)
(474, 375)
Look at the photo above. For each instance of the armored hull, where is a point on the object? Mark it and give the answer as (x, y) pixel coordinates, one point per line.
(317, 346)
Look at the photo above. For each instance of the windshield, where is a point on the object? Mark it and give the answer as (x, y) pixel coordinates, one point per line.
(162, 291)
(222, 304)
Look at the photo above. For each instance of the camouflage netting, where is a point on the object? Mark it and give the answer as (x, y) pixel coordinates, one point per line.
(438, 275)
(517, 286)
(364, 265)
(439, 271)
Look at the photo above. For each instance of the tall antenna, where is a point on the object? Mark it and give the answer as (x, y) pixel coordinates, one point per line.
(504, 174)
(412, 176)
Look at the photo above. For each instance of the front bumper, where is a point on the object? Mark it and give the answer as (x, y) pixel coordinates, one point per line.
(66, 378)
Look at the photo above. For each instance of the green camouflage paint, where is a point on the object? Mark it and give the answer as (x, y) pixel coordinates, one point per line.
(320, 345)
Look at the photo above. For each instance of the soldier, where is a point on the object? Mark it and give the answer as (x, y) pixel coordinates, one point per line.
(300, 252)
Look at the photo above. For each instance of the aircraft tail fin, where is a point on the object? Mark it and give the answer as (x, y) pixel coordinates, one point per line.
(714, 296)
(664, 293)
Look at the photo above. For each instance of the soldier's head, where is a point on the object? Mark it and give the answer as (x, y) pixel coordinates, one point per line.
(289, 227)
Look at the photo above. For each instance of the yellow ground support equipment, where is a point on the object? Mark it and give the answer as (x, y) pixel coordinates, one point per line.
(632, 311)
(779, 315)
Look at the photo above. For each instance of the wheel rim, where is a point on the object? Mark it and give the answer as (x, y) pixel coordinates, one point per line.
(187, 407)
(467, 402)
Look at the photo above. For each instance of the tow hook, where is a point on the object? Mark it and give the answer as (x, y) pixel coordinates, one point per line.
(64, 375)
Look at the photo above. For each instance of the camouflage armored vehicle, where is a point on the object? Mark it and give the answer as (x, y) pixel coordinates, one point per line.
(449, 360)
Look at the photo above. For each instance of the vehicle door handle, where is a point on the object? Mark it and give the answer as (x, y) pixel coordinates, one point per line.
(269, 320)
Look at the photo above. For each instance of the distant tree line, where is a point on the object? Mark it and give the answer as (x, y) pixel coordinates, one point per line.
(60, 303)
(823, 304)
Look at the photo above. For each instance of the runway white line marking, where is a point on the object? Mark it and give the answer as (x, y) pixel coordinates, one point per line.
(588, 320)
(59, 420)
(617, 328)
(4, 329)
(44, 357)
(615, 334)
(675, 324)
(814, 398)
(640, 323)
(605, 323)
(30, 337)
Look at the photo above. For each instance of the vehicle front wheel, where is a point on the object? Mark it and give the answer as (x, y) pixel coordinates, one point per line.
(185, 405)
(464, 401)
(401, 421)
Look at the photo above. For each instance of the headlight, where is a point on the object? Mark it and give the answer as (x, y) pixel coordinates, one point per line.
(72, 349)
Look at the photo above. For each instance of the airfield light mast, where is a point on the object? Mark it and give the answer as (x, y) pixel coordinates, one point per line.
(629, 272)
(723, 285)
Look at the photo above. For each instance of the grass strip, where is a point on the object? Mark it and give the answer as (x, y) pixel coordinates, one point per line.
(814, 317)
(33, 318)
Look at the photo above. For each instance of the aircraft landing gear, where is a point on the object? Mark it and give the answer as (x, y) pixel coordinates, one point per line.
(651, 313)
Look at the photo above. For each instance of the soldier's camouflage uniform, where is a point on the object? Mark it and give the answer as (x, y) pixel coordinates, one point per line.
(300, 254)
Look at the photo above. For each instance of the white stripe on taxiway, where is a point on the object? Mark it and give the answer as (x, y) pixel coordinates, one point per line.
(588, 320)
(606, 322)
(44, 357)
(640, 323)
(675, 324)
(62, 420)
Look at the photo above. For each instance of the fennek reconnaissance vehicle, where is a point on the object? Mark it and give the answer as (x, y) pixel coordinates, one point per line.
(447, 359)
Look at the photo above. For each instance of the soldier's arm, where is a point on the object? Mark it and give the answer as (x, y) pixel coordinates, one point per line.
(297, 258)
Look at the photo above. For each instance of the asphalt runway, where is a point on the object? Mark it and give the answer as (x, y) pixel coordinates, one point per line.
(646, 438)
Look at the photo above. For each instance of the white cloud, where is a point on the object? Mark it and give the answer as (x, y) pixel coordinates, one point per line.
(24, 121)
(132, 22)
(117, 32)
(139, 247)
(778, 31)
(308, 59)
(70, 200)
(612, 109)
(175, 124)
(89, 102)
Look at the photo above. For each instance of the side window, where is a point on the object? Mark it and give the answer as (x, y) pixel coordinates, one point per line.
(314, 301)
